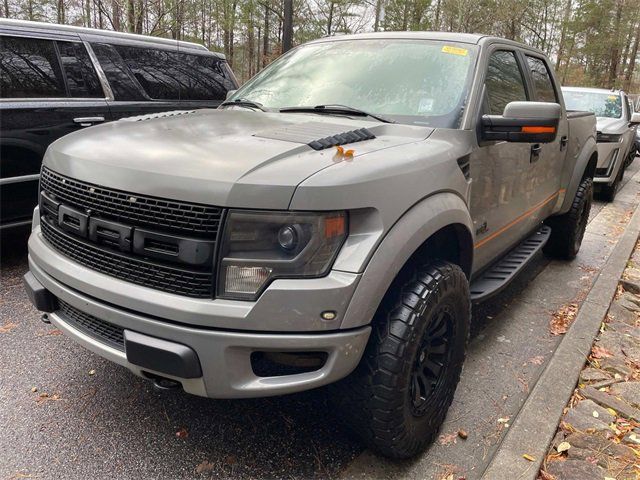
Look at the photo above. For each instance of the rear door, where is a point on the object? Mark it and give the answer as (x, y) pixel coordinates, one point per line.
(49, 88)
(146, 80)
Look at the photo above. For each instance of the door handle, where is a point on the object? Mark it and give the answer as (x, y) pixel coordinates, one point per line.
(564, 140)
(88, 121)
(535, 152)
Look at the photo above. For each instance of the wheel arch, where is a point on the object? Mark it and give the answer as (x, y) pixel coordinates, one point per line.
(445, 235)
(584, 167)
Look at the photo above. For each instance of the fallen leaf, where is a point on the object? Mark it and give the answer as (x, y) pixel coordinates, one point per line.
(537, 360)
(204, 467)
(54, 333)
(562, 319)
(600, 352)
(612, 412)
(182, 433)
(528, 457)
(6, 328)
(563, 447)
(448, 439)
(595, 414)
(503, 420)
(463, 434)
(92, 372)
(34, 389)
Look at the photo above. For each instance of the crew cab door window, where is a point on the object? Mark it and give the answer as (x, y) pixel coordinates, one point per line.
(29, 68)
(121, 80)
(544, 91)
(504, 82)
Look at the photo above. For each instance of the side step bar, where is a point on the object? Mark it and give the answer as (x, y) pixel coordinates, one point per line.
(500, 274)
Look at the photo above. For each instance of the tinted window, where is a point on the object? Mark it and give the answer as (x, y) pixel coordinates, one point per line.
(29, 68)
(541, 80)
(172, 76)
(82, 80)
(504, 81)
(120, 79)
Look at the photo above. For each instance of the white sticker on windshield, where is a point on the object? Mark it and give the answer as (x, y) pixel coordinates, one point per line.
(426, 105)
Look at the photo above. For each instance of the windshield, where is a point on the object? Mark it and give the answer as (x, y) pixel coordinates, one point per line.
(409, 81)
(602, 104)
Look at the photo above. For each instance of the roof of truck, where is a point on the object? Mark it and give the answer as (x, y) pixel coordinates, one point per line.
(471, 38)
(108, 34)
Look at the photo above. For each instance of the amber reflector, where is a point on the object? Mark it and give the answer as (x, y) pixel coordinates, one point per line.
(538, 129)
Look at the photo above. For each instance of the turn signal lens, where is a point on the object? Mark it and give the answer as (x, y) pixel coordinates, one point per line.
(537, 129)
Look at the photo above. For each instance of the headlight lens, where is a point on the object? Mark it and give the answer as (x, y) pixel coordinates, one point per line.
(608, 137)
(260, 246)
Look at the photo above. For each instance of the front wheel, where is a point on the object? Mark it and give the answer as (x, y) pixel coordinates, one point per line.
(398, 396)
(567, 231)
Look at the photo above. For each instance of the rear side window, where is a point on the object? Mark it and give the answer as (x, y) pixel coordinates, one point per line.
(120, 79)
(82, 80)
(504, 82)
(544, 91)
(167, 75)
(29, 68)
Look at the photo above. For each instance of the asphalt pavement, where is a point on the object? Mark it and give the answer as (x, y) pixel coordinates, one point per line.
(66, 413)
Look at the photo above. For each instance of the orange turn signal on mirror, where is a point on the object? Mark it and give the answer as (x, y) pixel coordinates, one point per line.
(533, 129)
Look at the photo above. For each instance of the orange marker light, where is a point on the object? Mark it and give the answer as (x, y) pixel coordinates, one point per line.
(538, 129)
(334, 226)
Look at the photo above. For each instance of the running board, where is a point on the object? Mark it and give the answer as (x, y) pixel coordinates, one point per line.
(500, 274)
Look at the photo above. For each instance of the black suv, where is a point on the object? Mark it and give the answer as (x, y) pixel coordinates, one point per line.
(56, 79)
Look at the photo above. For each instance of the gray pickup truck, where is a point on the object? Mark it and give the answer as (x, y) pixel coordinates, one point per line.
(330, 223)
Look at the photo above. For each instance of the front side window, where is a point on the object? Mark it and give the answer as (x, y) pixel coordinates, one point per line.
(410, 81)
(504, 82)
(544, 91)
(82, 80)
(29, 68)
(602, 104)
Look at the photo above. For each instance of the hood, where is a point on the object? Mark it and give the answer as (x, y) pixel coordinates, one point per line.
(611, 125)
(233, 157)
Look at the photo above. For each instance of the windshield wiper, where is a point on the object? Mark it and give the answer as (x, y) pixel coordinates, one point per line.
(244, 102)
(335, 109)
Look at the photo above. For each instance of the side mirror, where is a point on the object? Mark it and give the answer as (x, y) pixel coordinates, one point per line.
(523, 122)
(230, 93)
(635, 119)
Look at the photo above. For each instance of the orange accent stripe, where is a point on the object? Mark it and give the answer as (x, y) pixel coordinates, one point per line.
(518, 219)
(538, 130)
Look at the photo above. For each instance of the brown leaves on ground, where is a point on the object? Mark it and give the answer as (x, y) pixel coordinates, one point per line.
(537, 360)
(600, 352)
(182, 433)
(7, 327)
(205, 467)
(45, 397)
(563, 318)
(448, 439)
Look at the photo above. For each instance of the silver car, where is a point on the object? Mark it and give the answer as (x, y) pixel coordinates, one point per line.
(616, 135)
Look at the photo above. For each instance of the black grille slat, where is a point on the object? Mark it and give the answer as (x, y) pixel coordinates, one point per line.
(196, 284)
(100, 330)
(160, 214)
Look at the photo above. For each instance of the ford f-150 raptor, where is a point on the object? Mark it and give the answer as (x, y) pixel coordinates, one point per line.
(330, 223)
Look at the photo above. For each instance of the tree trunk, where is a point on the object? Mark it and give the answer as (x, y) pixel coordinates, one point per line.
(60, 11)
(563, 33)
(265, 39)
(87, 13)
(6, 9)
(376, 22)
(287, 27)
(131, 16)
(115, 15)
(632, 60)
(330, 19)
(615, 51)
(139, 16)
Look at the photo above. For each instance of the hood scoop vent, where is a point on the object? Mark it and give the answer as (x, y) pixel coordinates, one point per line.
(149, 116)
(318, 135)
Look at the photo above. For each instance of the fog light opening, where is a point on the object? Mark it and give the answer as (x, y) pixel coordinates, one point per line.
(278, 364)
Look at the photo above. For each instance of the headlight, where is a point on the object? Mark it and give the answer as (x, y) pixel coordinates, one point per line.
(260, 246)
(608, 137)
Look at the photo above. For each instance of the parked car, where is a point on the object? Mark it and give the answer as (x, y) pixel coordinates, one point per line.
(616, 133)
(326, 225)
(56, 79)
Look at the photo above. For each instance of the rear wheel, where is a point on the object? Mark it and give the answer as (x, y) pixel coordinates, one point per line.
(567, 231)
(398, 396)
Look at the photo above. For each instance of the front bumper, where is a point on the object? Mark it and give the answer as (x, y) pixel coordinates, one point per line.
(224, 356)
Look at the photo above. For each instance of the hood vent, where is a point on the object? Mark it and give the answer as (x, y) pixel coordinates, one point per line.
(140, 118)
(318, 135)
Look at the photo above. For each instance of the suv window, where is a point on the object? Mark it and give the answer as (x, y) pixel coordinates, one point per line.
(29, 68)
(167, 75)
(542, 83)
(120, 79)
(82, 80)
(504, 82)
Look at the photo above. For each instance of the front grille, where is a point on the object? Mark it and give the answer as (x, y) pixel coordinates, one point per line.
(100, 330)
(190, 283)
(157, 213)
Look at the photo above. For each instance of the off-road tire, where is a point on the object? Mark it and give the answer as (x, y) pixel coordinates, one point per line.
(608, 192)
(376, 400)
(568, 230)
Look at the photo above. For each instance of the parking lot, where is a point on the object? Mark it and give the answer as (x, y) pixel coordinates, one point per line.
(67, 413)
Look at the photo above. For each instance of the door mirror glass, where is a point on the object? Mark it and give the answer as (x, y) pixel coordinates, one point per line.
(635, 119)
(523, 122)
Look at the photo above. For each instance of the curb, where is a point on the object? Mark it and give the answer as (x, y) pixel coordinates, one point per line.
(535, 425)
